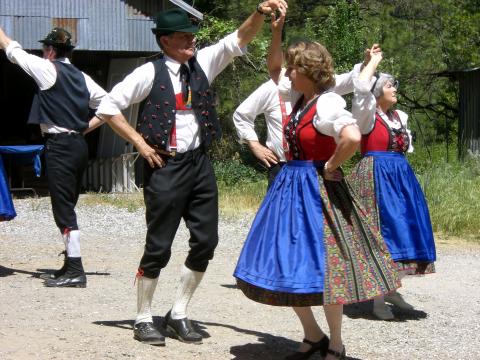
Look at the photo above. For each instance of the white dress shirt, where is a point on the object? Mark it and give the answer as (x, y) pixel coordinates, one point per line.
(264, 100)
(45, 75)
(137, 86)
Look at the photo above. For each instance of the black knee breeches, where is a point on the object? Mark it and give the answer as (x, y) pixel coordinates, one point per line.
(185, 188)
(66, 158)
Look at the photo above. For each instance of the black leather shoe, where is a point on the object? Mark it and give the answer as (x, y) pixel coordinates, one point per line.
(146, 333)
(182, 329)
(57, 273)
(67, 280)
(321, 346)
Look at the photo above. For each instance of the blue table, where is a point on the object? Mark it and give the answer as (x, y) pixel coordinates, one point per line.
(18, 154)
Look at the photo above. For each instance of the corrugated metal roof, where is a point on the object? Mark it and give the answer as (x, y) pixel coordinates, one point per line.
(101, 25)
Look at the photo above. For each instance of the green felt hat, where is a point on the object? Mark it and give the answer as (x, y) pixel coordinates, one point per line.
(174, 20)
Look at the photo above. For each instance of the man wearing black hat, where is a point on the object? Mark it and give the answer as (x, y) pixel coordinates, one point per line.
(177, 125)
(61, 108)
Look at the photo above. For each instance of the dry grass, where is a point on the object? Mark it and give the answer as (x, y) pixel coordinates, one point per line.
(243, 198)
(130, 201)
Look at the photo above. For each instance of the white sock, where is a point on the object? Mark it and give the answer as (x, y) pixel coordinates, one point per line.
(73, 243)
(188, 284)
(145, 289)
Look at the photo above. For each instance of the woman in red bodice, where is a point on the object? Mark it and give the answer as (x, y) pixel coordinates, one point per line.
(386, 184)
(309, 243)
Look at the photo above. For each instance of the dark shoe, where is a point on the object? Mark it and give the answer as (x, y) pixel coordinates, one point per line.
(182, 329)
(146, 333)
(398, 300)
(57, 273)
(321, 346)
(66, 280)
(339, 355)
(73, 277)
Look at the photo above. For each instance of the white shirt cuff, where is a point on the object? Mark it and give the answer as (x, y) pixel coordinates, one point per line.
(231, 42)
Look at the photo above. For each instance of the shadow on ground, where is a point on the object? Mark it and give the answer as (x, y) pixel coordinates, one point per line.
(229, 286)
(51, 271)
(364, 310)
(5, 271)
(270, 347)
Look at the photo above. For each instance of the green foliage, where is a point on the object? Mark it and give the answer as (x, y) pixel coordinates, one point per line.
(420, 39)
(213, 29)
(234, 172)
(452, 191)
(240, 198)
(342, 34)
(235, 83)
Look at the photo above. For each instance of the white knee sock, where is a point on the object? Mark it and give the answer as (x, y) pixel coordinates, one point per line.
(145, 289)
(188, 284)
(73, 243)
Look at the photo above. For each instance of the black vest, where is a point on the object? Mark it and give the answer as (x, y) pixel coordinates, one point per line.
(158, 115)
(65, 104)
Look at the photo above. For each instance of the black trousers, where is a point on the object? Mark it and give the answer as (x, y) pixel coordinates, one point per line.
(66, 158)
(185, 188)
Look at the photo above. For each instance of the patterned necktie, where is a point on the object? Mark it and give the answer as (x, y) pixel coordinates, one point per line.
(185, 79)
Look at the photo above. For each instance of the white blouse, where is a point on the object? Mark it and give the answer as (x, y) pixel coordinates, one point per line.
(331, 116)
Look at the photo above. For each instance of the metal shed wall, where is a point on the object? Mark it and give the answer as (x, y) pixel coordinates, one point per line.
(100, 25)
(469, 112)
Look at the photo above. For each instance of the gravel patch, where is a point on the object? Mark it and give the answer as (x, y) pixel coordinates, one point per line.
(96, 322)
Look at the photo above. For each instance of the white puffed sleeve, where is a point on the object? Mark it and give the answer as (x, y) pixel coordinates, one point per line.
(404, 119)
(363, 104)
(331, 116)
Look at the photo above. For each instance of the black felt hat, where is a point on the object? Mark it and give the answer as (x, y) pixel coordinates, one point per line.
(59, 38)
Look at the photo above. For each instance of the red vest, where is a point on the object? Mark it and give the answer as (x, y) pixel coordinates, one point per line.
(304, 141)
(384, 138)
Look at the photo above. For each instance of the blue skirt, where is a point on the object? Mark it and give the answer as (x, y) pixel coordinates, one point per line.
(7, 211)
(284, 250)
(311, 244)
(403, 211)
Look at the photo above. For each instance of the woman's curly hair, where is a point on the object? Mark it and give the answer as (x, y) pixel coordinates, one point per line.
(314, 61)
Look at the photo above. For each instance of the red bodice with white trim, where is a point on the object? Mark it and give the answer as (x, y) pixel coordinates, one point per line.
(385, 138)
(305, 142)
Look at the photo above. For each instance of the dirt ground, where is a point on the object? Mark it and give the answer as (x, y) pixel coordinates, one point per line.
(96, 322)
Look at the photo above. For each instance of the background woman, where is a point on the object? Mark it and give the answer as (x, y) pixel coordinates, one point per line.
(386, 184)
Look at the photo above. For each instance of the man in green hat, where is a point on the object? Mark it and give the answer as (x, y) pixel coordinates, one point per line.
(177, 125)
(60, 107)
